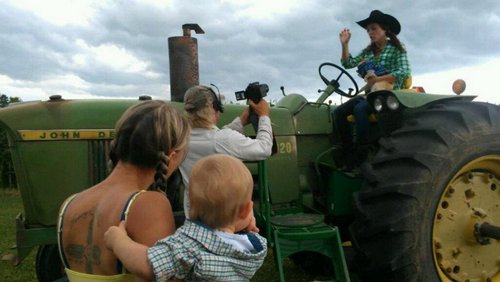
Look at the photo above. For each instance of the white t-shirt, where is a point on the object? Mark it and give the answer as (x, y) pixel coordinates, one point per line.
(238, 241)
(230, 141)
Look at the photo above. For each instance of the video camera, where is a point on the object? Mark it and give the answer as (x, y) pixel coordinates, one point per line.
(254, 91)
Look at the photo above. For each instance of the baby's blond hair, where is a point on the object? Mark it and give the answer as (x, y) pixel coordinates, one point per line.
(219, 188)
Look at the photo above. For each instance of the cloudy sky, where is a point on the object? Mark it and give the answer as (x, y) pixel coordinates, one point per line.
(85, 49)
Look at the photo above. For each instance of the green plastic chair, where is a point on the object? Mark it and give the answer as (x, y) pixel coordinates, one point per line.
(291, 233)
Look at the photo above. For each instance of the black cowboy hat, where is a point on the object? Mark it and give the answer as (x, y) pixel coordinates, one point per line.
(378, 17)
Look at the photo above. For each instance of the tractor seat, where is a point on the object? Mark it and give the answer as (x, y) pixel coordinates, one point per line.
(297, 220)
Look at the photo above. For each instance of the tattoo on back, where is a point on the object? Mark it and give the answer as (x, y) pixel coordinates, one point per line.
(87, 254)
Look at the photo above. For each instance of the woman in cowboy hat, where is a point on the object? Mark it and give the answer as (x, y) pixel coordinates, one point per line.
(384, 50)
(391, 67)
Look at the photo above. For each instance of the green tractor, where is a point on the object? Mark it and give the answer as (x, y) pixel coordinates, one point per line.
(423, 206)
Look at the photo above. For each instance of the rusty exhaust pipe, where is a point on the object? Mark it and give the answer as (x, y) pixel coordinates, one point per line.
(183, 55)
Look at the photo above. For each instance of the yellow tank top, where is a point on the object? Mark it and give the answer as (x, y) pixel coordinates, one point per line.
(75, 276)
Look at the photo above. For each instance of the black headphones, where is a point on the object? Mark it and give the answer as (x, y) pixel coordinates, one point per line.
(217, 104)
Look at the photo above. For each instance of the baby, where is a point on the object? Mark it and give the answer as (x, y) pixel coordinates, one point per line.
(211, 244)
(369, 69)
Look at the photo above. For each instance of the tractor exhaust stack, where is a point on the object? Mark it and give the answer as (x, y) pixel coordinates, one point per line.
(183, 55)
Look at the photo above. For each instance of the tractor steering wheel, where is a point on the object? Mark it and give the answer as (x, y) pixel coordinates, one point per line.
(335, 82)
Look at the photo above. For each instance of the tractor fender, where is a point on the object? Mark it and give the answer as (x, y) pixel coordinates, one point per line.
(411, 99)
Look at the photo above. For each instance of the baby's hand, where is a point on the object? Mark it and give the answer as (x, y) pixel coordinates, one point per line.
(113, 234)
(252, 226)
(370, 78)
(369, 75)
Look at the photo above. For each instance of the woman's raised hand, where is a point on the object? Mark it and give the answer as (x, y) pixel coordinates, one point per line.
(345, 36)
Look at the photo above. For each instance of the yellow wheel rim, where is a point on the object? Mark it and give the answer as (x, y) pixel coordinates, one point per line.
(471, 197)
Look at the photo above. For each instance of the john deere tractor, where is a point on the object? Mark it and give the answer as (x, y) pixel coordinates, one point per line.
(424, 205)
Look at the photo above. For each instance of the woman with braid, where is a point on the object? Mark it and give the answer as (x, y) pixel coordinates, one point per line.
(213, 244)
(150, 142)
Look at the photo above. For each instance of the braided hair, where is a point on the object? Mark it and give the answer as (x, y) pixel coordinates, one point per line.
(161, 173)
(144, 136)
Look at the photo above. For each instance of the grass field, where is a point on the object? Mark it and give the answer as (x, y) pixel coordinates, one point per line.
(11, 205)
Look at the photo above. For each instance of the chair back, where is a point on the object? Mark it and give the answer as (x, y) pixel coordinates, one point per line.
(407, 83)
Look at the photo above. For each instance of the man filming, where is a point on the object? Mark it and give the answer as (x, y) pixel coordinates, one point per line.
(203, 108)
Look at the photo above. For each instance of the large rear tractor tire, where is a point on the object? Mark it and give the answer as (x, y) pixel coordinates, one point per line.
(432, 183)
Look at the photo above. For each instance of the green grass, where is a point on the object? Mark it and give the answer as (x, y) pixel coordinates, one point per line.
(11, 205)
(292, 272)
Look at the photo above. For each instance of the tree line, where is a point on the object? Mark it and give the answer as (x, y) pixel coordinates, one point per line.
(7, 174)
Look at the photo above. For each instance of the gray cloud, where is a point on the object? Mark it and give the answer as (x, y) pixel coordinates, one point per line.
(282, 49)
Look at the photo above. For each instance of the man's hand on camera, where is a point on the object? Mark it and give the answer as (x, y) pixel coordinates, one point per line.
(244, 116)
(261, 108)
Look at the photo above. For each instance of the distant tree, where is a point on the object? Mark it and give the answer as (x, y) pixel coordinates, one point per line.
(4, 100)
(7, 174)
(14, 99)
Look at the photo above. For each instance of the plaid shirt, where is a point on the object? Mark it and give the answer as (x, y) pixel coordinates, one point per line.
(391, 60)
(196, 253)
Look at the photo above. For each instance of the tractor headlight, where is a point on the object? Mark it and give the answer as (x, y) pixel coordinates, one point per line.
(392, 103)
(377, 104)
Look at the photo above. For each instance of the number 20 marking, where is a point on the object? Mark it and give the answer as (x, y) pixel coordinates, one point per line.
(285, 147)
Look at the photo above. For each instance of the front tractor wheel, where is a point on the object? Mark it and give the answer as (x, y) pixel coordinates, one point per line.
(430, 206)
(470, 201)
